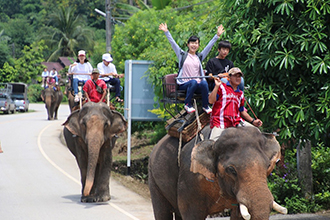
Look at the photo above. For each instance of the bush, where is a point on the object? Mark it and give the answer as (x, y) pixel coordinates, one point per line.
(34, 92)
(284, 184)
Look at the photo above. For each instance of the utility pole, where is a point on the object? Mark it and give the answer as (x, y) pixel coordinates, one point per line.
(108, 24)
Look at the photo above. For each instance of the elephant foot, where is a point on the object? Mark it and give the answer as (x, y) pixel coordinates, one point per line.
(91, 199)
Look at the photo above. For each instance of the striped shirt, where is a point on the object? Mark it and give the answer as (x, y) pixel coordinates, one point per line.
(226, 110)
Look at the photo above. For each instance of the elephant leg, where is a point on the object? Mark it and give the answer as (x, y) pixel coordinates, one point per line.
(102, 175)
(161, 206)
(55, 112)
(50, 117)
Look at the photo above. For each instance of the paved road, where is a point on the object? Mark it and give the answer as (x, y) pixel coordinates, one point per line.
(39, 178)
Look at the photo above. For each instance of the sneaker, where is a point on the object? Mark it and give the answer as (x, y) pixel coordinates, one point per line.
(208, 110)
(189, 109)
(76, 98)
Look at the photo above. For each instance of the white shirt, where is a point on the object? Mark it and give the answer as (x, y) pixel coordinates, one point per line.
(103, 69)
(44, 74)
(53, 73)
(81, 68)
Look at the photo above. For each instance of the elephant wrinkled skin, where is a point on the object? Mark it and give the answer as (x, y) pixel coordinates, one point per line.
(52, 101)
(90, 134)
(230, 173)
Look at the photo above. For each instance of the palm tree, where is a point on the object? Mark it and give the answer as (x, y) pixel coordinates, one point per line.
(67, 33)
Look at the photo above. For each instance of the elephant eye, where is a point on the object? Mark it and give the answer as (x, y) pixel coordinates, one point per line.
(106, 124)
(231, 170)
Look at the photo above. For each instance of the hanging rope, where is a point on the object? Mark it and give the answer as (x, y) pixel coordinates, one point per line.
(199, 125)
(251, 110)
(179, 150)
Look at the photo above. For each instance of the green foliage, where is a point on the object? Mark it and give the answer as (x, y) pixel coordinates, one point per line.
(34, 92)
(157, 127)
(67, 34)
(160, 4)
(284, 185)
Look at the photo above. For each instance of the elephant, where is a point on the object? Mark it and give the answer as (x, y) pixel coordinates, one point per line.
(70, 97)
(90, 134)
(211, 176)
(52, 100)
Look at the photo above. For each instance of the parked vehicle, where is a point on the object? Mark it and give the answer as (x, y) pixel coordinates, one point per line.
(19, 95)
(21, 102)
(7, 104)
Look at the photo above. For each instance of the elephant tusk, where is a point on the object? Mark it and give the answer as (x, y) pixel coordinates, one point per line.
(279, 208)
(244, 212)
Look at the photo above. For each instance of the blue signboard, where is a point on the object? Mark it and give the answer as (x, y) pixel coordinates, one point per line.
(139, 93)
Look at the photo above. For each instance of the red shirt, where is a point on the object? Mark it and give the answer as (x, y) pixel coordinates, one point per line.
(90, 88)
(226, 110)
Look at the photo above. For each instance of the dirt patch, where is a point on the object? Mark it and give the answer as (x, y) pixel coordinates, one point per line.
(136, 177)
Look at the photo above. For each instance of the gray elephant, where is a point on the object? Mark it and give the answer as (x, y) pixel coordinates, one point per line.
(52, 101)
(70, 97)
(230, 173)
(90, 134)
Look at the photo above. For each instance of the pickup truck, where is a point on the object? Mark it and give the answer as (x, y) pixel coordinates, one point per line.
(7, 104)
(21, 102)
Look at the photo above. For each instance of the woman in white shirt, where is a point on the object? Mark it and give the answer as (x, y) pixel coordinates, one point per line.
(81, 71)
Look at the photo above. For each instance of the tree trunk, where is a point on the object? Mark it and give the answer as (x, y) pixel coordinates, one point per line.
(304, 166)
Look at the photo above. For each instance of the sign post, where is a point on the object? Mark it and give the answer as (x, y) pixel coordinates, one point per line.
(139, 98)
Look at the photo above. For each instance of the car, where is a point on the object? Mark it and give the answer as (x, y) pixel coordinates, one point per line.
(21, 102)
(7, 104)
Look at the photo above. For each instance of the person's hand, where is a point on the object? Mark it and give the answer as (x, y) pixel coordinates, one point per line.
(121, 75)
(257, 123)
(220, 30)
(217, 81)
(163, 27)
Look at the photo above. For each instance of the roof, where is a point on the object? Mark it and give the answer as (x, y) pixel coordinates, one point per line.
(62, 62)
(51, 65)
(66, 61)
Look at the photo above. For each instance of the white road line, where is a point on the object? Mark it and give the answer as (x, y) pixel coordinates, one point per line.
(68, 175)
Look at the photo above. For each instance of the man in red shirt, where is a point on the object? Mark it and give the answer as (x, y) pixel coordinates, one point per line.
(228, 105)
(92, 93)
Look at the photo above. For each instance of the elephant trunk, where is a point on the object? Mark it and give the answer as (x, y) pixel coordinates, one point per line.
(94, 142)
(48, 103)
(255, 200)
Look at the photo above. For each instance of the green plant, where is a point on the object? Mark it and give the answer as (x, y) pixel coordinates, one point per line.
(34, 92)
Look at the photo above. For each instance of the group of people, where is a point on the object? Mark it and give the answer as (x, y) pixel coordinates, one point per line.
(221, 78)
(95, 79)
(49, 77)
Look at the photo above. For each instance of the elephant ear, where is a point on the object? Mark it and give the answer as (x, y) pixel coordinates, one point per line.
(272, 149)
(72, 123)
(42, 95)
(118, 123)
(203, 159)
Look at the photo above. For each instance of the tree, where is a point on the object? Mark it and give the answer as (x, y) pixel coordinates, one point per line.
(27, 67)
(67, 34)
(4, 48)
(281, 46)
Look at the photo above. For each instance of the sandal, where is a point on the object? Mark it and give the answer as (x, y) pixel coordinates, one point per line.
(119, 100)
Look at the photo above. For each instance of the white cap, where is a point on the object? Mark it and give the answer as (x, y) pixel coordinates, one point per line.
(81, 52)
(107, 57)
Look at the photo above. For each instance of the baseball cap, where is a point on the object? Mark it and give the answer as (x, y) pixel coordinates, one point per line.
(234, 71)
(95, 70)
(81, 53)
(107, 57)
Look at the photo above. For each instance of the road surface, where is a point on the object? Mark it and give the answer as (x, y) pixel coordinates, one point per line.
(39, 178)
